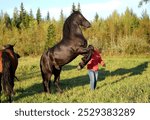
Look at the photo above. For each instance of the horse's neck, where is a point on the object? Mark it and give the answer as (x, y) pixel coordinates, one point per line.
(10, 52)
(13, 58)
(72, 30)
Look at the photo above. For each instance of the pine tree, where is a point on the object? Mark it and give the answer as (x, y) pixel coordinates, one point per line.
(79, 7)
(26, 20)
(113, 23)
(15, 17)
(7, 21)
(38, 16)
(48, 16)
(22, 14)
(144, 26)
(1, 15)
(62, 18)
(31, 15)
(130, 21)
(51, 36)
(143, 1)
(73, 8)
(96, 17)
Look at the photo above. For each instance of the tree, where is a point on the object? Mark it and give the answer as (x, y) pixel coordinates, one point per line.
(48, 16)
(31, 15)
(113, 23)
(73, 8)
(79, 7)
(51, 36)
(15, 21)
(144, 26)
(1, 15)
(96, 17)
(22, 14)
(24, 17)
(38, 16)
(130, 21)
(143, 1)
(62, 18)
(26, 20)
(7, 21)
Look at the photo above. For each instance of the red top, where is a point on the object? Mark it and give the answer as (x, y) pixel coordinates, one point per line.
(93, 63)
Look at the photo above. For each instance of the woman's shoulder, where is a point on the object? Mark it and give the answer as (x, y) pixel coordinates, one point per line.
(96, 52)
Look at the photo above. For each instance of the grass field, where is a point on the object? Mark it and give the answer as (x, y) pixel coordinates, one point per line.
(123, 80)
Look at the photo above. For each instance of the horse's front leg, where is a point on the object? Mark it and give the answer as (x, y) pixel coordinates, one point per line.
(87, 56)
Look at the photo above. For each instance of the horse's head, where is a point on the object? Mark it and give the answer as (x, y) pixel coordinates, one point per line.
(80, 19)
(8, 46)
(10, 50)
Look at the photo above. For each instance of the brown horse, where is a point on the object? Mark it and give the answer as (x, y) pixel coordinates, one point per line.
(8, 66)
(72, 44)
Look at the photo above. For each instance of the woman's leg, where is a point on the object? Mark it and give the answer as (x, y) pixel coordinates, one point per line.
(92, 79)
(95, 78)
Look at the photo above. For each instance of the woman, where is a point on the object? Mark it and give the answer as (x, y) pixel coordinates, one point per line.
(92, 67)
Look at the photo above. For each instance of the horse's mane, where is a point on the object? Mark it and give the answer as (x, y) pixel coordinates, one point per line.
(67, 28)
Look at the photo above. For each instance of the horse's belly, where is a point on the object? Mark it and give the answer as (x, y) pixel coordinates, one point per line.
(64, 59)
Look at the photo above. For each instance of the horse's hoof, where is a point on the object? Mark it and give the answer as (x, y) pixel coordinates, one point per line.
(60, 91)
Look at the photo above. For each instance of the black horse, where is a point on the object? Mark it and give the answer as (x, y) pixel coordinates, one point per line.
(8, 66)
(72, 44)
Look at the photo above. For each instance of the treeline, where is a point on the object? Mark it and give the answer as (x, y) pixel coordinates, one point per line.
(117, 34)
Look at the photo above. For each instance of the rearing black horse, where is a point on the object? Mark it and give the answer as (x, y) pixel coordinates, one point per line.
(72, 44)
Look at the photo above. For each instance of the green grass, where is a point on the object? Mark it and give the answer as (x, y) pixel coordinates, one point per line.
(123, 80)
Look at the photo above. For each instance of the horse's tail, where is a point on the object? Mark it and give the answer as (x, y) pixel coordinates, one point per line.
(7, 74)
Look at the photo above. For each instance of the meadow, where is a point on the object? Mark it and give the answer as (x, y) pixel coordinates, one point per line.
(125, 79)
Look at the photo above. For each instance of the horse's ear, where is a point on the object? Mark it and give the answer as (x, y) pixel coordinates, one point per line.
(14, 44)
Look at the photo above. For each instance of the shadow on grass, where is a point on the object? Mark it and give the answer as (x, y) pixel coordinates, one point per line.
(122, 71)
(64, 84)
(34, 89)
(37, 73)
(81, 80)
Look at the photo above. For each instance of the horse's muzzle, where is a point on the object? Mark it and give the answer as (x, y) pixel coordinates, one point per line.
(87, 25)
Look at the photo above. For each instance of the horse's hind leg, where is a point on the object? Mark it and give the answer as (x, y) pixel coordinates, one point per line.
(46, 81)
(57, 79)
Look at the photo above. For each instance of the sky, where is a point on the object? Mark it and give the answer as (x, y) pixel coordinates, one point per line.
(88, 7)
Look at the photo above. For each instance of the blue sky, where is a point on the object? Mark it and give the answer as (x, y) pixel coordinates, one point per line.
(89, 7)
